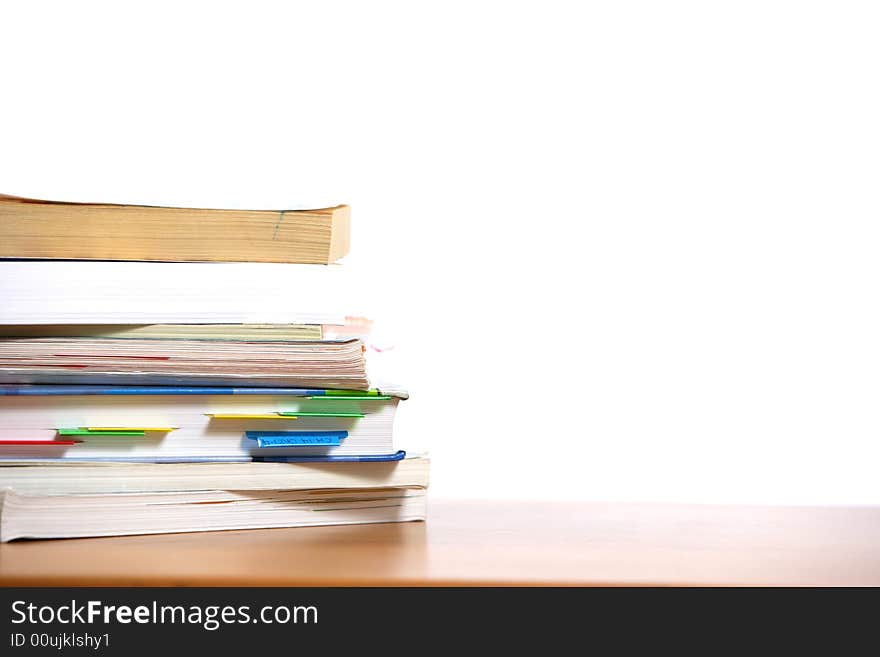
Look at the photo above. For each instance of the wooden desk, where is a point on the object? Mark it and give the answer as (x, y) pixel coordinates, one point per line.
(489, 543)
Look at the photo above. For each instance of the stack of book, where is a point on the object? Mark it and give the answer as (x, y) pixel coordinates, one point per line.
(169, 370)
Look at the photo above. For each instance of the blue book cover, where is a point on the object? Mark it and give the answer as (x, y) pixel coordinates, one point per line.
(372, 458)
(39, 390)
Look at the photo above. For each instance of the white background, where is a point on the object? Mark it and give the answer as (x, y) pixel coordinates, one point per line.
(645, 234)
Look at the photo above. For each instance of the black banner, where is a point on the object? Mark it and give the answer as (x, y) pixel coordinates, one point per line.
(241, 620)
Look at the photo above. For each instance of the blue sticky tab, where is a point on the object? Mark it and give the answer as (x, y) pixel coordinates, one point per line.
(330, 458)
(297, 438)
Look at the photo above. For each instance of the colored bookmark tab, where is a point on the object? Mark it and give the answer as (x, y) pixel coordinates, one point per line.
(297, 438)
(362, 397)
(115, 429)
(80, 431)
(346, 393)
(40, 443)
(318, 414)
(251, 416)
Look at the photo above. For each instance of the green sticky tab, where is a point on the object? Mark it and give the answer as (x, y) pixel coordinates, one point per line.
(349, 397)
(91, 432)
(319, 414)
(352, 393)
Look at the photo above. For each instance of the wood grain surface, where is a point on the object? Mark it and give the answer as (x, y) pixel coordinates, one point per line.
(489, 543)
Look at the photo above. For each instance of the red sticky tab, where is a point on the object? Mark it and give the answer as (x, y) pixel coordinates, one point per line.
(40, 443)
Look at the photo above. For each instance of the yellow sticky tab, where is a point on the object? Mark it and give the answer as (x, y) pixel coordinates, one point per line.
(131, 428)
(250, 416)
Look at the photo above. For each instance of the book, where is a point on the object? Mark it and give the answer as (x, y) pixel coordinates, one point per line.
(61, 292)
(317, 364)
(354, 328)
(249, 332)
(173, 424)
(31, 228)
(118, 514)
(94, 478)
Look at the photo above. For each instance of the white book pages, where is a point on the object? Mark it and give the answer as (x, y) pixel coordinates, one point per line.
(80, 292)
(69, 516)
(71, 477)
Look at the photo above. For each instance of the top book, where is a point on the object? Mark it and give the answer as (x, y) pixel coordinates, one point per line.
(31, 228)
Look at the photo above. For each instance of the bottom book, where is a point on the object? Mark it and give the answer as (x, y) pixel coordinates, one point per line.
(118, 514)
